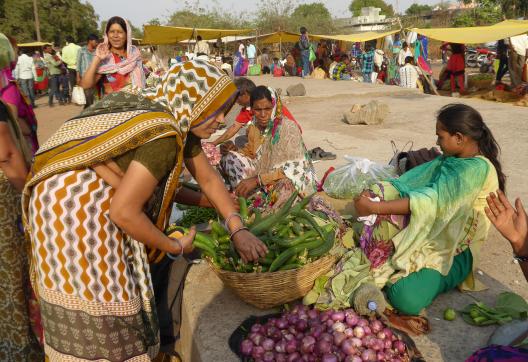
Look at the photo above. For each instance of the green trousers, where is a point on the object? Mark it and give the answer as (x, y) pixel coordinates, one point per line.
(417, 291)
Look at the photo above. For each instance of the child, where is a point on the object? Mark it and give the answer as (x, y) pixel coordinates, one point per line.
(276, 68)
(64, 86)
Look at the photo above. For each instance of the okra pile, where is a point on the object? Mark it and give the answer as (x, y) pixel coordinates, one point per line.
(292, 235)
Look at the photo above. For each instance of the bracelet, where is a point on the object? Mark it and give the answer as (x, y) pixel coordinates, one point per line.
(520, 259)
(236, 231)
(173, 257)
(228, 219)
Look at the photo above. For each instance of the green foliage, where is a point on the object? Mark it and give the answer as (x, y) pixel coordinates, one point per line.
(315, 17)
(274, 15)
(58, 19)
(356, 5)
(486, 13)
(196, 16)
(509, 9)
(417, 9)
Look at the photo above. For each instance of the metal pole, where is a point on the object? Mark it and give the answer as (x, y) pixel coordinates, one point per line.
(37, 22)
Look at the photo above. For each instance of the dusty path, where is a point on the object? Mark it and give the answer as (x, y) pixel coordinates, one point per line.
(412, 118)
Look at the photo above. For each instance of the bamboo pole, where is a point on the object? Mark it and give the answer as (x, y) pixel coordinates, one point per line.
(37, 22)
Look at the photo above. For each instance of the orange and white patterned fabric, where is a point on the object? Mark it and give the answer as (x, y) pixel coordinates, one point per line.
(92, 280)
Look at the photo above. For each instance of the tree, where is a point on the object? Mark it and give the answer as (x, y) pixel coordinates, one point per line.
(509, 8)
(417, 9)
(487, 12)
(315, 17)
(356, 5)
(274, 15)
(58, 19)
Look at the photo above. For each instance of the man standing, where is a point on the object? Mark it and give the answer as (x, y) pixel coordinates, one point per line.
(367, 64)
(84, 59)
(517, 58)
(304, 46)
(69, 57)
(201, 47)
(53, 63)
(25, 74)
(251, 52)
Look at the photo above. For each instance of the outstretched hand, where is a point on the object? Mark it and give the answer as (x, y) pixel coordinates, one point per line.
(511, 222)
(102, 51)
(249, 246)
(186, 242)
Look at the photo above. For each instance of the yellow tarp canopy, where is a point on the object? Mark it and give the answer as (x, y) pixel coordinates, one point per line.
(363, 37)
(288, 37)
(33, 45)
(476, 34)
(158, 35)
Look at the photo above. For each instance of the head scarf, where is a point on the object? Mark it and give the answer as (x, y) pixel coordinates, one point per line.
(132, 65)
(278, 113)
(7, 61)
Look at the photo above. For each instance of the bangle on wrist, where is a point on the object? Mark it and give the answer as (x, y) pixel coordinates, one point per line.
(174, 257)
(236, 231)
(229, 217)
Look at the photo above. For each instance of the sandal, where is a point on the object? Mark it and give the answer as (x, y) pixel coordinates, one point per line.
(319, 154)
(414, 325)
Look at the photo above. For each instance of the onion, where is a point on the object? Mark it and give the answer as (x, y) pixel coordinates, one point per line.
(313, 314)
(338, 316)
(293, 357)
(280, 357)
(246, 347)
(348, 347)
(316, 331)
(268, 344)
(367, 330)
(282, 323)
(291, 346)
(325, 316)
(368, 355)
(256, 338)
(323, 346)
(381, 335)
(381, 356)
(301, 326)
(339, 337)
(352, 320)
(356, 342)
(376, 326)
(396, 359)
(326, 337)
(359, 332)
(399, 346)
(268, 357)
(328, 357)
(293, 319)
(292, 330)
(280, 346)
(307, 344)
(329, 323)
(256, 328)
(378, 345)
(387, 344)
(289, 336)
(368, 341)
(339, 327)
(362, 322)
(257, 352)
(270, 330)
(388, 332)
(349, 332)
(353, 359)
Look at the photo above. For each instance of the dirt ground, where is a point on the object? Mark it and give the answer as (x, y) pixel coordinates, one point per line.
(411, 118)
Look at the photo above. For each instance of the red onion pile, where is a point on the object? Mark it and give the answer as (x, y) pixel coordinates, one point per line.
(308, 335)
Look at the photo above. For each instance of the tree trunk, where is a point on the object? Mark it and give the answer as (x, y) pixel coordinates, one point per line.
(37, 22)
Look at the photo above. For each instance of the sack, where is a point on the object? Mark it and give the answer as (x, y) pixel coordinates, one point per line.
(359, 173)
(312, 54)
(254, 69)
(78, 96)
(277, 71)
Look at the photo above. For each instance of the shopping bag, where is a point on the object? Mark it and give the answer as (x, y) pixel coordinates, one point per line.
(312, 54)
(350, 180)
(78, 96)
(254, 69)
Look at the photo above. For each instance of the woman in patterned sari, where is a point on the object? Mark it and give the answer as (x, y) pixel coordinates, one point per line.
(99, 197)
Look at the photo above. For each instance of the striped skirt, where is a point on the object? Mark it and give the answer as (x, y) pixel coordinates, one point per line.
(92, 280)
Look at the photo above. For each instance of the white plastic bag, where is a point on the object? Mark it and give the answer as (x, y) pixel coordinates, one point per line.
(351, 179)
(78, 96)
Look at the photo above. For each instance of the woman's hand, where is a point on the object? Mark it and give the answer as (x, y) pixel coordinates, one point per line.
(511, 222)
(247, 186)
(186, 242)
(363, 205)
(249, 246)
(102, 51)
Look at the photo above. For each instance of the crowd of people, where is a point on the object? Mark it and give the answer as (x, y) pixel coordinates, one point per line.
(89, 280)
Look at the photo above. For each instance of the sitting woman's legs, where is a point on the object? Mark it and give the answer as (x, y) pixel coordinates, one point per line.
(417, 291)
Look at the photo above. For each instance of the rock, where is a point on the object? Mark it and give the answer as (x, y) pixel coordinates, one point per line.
(374, 112)
(296, 90)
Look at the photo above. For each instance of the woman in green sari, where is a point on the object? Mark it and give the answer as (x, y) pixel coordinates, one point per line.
(430, 223)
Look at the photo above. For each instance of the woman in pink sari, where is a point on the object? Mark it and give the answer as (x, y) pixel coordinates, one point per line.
(16, 101)
(117, 63)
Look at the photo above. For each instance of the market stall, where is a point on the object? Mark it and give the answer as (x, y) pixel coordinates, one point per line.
(167, 35)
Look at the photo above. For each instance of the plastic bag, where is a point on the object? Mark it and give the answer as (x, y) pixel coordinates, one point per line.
(351, 179)
(312, 56)
(78, 96)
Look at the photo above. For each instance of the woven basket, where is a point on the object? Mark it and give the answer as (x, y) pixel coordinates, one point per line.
(268, 290)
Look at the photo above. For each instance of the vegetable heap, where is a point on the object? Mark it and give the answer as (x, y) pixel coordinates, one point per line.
(292, 235)
(509, 306)
(194, 215)
(305, 334)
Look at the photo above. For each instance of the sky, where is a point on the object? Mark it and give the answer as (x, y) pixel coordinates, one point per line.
(141, 11)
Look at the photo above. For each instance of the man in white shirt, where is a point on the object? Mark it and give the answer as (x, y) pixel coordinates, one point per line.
(251, 52)
(201, 47)
(517, 59)
(25, 73)
(403, 54)
(409, 74)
